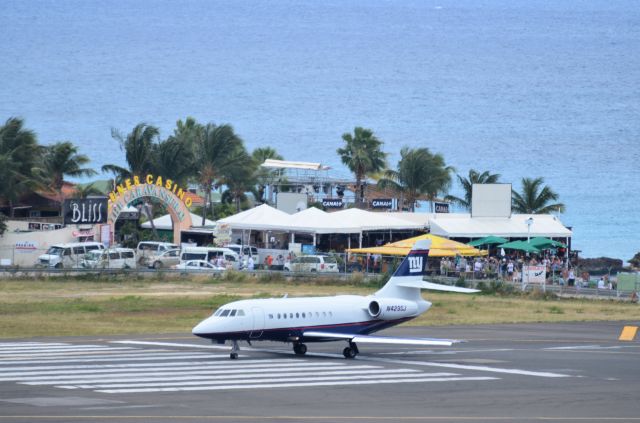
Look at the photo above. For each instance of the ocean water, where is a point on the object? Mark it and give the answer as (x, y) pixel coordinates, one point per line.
(524, 89)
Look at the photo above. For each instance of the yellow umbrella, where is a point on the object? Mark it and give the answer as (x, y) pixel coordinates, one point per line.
(440, 247)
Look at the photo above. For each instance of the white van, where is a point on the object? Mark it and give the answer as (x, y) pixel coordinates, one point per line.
(111, 258)
(147, 249)
(244, 251)
(230, 257)
(67, 255)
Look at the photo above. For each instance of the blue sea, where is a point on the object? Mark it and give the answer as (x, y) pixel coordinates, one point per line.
(520, 88)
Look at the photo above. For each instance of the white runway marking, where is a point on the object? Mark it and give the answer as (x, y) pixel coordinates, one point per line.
(467, 367)
(131, 369)
(584, 347)
(294, 385)
(173, 344)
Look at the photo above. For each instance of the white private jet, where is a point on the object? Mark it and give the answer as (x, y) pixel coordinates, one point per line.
(350, 318)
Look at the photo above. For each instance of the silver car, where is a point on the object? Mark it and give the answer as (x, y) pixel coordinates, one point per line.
(165, 259)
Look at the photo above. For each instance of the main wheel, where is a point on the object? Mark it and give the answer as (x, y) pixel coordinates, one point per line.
(300, 349)
(233, 356)
(349, 352)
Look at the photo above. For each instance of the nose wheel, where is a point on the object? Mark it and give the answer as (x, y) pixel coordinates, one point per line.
(351, 351)
(234, 350)
(300, 349)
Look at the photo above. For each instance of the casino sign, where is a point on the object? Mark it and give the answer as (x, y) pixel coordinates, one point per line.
(163, 189)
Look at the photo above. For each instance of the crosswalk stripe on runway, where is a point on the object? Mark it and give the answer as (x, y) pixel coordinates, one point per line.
(143, 368)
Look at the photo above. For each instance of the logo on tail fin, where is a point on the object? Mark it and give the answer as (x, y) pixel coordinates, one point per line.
(415, 264)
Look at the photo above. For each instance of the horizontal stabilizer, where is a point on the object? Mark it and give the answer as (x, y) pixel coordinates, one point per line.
(436, 287)
(368, 339)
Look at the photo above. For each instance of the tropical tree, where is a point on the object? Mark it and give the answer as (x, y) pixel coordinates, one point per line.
(62, 159)
(362, 154)
(264, 176)
(419, 173)
(466, 183)
(19, 156)
(138, 147)
(138, 151)
(173, 157)
(85, 190)
(218, 151)
(535, 198)
(240, 180)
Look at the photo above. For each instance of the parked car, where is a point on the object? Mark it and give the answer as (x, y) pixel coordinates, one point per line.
(165, 259)
(67, 255)
(229, 257)
(312, 263)
(146, 249)
(111, 258)
(195, 265)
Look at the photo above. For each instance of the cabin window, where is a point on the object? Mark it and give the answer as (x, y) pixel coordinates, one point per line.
(270, 315)
(303, 315)
(233, 313)
(290, 315)
(241, 313)
(225, 313)
(330, 314)
(324, 314)
(317, 314)
(297, 315)
(278, 315)
(284, 315)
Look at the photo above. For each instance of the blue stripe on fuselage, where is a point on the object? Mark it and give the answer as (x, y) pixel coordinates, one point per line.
(285, 334)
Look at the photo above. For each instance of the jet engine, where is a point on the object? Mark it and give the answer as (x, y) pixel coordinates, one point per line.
(392, 308)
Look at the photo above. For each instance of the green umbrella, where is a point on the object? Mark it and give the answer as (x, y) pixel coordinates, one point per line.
(521, 246)
(487, 240)
(544, 243)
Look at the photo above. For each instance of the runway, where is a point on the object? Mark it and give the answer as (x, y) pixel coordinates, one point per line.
(533, 372)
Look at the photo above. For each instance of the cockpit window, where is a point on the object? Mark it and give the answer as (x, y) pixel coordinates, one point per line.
(225, 313)
(233, 313)
(240, 312)
(218, 311)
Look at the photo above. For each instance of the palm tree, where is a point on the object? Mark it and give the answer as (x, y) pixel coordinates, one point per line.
(174, 157)
(218, 150)
(474, 177)
(85, 190)
(19, 155)
(62, 159)
(535, 198)
(363, 156)
(264, 176)
(419, 173)
(138, 147)
(239, 180)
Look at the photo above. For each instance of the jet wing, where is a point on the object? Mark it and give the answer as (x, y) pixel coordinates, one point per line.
(437, 287)
(371, 339)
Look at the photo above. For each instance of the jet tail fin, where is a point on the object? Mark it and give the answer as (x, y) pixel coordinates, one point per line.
(412, 269)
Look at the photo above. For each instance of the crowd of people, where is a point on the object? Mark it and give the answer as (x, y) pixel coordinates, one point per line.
(509, 268)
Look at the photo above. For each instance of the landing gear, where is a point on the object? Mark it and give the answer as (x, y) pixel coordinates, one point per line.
(351, 351)
(299, 349)
(234, 350)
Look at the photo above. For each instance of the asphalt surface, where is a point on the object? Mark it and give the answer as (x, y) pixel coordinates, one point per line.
(524, 372)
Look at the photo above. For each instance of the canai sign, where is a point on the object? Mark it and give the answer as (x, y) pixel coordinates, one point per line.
(164, 189)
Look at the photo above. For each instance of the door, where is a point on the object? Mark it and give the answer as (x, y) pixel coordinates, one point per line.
(258, 323)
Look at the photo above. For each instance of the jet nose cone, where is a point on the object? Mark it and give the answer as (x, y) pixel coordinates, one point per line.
(200, 328)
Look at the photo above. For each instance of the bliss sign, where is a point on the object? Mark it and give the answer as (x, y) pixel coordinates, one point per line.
(85, 210)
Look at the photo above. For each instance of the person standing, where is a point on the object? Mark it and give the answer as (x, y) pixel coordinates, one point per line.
(250, 264)
(571, 277)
